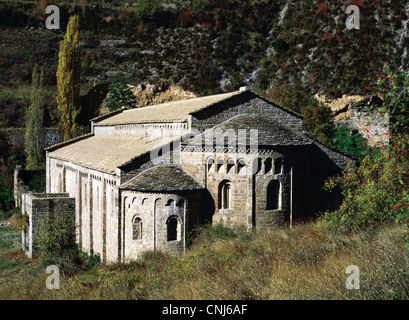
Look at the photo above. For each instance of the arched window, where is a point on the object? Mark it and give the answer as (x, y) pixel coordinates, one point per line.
(230, 166)
(210, 165)
(257, 165)
(225, 195)
(220, 166)
(170, 203)
(136, 228)
(241, 166)
(172, 229)
(273, 195)
(277, 166)
(268, 165)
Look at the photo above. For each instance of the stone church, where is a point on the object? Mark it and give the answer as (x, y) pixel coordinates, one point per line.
(144, 178)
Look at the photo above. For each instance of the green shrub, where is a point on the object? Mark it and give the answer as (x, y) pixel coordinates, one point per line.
(149, 10)
(199, 7)
(375, 192)
(120, 94)
(280, 45)
(353, 144)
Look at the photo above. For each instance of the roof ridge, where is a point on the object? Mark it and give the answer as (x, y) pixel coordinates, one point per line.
(68, 142)
(179, 166)
(107, 115)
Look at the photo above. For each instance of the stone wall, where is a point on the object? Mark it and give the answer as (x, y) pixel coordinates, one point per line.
(245, 104)
(39, 207)
(373, 126)
(153, 131)
(154, 211)
(96, 195)
(249, 176)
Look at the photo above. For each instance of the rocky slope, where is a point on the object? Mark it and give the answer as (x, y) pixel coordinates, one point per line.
(206, 47)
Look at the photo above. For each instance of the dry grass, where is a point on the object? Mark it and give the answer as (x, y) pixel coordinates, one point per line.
(233, 264)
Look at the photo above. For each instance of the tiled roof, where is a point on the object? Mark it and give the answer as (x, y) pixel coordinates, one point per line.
(176, 111)
(104, 153)
(270, 133)
(172, 178)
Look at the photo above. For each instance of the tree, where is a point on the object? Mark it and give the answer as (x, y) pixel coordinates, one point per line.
(318, 121)
(119, 94)
(34, 136)
(68, 80)
(353, 144)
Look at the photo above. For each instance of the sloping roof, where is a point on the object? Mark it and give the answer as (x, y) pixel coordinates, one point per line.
(270, 133)
(176, 111)
(173, 178)
(104, 153)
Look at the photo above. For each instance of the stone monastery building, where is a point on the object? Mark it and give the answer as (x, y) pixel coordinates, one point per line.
(144, 178)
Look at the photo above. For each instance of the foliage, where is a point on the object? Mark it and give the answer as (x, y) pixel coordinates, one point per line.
(318, 121)
(375, 192)
(288, 96)
(280, 45)
(6, 194)
(199, 7)
(37, 182)
(353, 144)
(55, 238)
(394, 91)
(68, 80)
(34, 136)
(276, 264)
(317, 116)
(20, 221)
(149, 10)
(120, 95)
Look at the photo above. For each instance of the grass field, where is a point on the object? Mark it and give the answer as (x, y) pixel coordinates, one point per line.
(232, 264)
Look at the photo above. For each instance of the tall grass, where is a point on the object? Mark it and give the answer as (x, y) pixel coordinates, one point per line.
(225, 263)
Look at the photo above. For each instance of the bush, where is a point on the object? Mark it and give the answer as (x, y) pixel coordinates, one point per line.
(318, 122)
(149, 10)
(375, 192)
(353, 144)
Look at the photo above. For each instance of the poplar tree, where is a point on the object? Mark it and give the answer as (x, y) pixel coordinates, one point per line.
(34, 135)
(68, 80)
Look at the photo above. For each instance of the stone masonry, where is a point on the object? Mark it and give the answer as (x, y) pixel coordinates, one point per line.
(144, 178)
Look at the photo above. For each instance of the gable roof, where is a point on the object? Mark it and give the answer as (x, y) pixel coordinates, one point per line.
(104, 153)
(173, 178)
(176, 111)
(270, 133)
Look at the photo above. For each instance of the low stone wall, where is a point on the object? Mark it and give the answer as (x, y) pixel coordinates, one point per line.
(40, 207)
(374, 127)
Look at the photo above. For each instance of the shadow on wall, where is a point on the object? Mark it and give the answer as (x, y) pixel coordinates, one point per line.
(208, 208)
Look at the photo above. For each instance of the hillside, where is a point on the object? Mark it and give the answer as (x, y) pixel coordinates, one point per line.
(213, 45)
